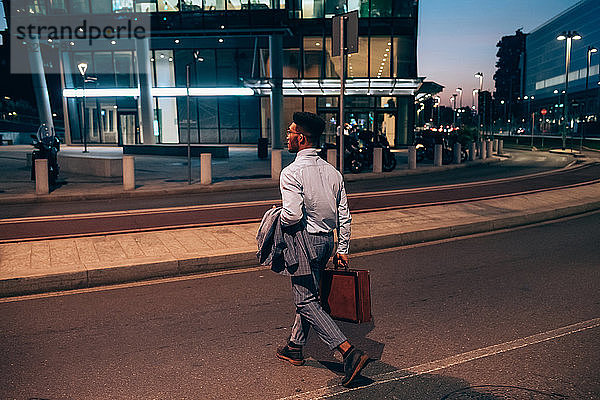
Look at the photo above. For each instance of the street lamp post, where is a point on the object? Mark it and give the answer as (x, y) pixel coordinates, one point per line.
(480, 76)
(529, 98)
(590, 50)
(453, 100)
(568, 36)
(460, 91)
(437, 105)
(82, 67)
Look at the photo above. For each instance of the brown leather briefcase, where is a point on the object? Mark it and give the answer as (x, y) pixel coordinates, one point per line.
(345, 294)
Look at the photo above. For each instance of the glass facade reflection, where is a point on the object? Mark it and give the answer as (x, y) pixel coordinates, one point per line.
(545, 69)
(234, 52)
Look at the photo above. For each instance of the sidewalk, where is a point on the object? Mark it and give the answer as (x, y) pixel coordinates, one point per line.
(163, 175)
(61, 264)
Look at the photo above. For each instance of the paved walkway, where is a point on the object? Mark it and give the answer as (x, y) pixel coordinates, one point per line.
(160, 175)
(47, 265)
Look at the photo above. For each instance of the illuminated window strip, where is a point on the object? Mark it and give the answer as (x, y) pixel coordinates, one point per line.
(158, 92)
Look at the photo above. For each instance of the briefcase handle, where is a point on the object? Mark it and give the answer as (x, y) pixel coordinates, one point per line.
(336, 263)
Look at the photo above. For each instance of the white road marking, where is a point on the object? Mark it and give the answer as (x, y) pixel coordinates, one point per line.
(131, 284)
(433, 366)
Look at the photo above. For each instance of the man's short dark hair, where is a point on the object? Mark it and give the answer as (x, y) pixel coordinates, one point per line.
(312, 125)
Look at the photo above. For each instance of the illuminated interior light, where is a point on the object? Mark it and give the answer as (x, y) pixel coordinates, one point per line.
(221, 40)
(317, 44)
(162, 56)
(152, 59)
(113, 42)
(170, 59)
(176, 41)
(221, 92)
(168, 92)
(72, 43)
(130, 92)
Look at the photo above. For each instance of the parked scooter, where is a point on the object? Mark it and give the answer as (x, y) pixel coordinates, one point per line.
(425, 146)
(358, 150)
(46, 146)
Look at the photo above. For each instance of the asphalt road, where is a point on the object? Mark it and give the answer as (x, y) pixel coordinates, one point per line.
(449, 323)
(136, 220)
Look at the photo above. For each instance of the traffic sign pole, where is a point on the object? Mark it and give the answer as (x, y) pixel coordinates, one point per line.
(342, 89)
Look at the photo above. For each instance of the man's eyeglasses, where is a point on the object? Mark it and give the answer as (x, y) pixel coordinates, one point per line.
(289, 132)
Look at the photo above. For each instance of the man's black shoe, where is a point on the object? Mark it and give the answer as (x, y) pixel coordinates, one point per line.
(291, 354)
(354, 361)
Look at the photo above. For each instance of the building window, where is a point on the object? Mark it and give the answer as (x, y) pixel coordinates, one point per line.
(381, 8)
(80, 7)
(403, 57)
(168, 5)
(361, 5)
(191, 5)
(313, 56)
(313, 8)
(358, 64)
(291, 63)
(380, 55)
(145, 6)
(212, 5)
(122, 6)
(125, 75)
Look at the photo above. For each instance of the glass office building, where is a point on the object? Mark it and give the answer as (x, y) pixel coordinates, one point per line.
(545, 68)
(138, 94)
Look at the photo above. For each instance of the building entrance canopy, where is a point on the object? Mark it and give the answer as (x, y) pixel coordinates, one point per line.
(331, 87)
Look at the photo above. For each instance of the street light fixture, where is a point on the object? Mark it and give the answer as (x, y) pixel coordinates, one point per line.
(82, 67)
(568, 36)
(459, 90)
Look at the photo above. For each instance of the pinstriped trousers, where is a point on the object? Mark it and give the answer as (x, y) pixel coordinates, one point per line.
(306, 298)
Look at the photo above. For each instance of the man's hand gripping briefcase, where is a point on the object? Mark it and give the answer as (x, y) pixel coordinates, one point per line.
(345, 294)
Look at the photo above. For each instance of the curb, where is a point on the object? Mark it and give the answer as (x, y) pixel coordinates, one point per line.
(130, 273)
(239, 185)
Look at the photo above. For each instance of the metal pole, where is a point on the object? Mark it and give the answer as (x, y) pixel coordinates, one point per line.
(85, 150)
(189, 142)
(566, 96)
(342, 89)
(587, 77)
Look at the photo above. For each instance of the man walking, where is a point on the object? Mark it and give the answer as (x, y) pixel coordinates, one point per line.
(313, 193)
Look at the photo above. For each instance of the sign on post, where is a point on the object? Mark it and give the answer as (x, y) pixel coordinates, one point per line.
(350, 33)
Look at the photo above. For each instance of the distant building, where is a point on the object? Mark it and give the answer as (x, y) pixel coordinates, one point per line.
(253, 63)
(508, 75)
(545, 70)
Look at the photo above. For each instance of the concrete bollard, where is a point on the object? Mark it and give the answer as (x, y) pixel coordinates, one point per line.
(276, 164)
(378, 160)
(472, 150)
(128, 172)
(495, 149)
(205, 168)
(457, 149)
(437, 155)
(332, 157)
(483, 150)
(490, 149)
(42, 186)
(412, 157)
(500, 147)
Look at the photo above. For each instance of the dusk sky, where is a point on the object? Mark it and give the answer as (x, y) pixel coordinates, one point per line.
(458, 38)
